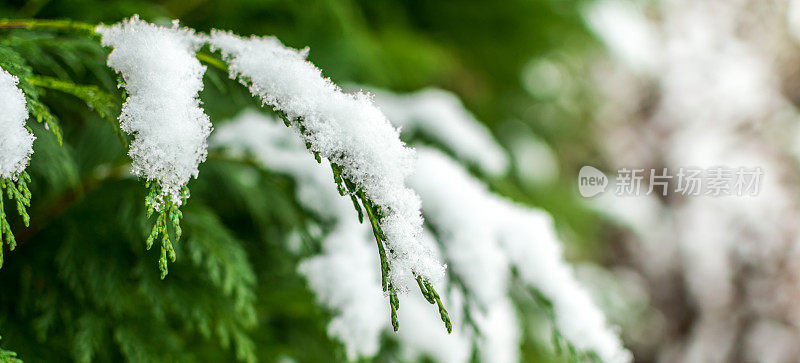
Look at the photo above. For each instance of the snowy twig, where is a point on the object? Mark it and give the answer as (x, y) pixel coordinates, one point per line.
(162, 113)
(105, 104)
(348, 188)
(369, 161)
(16, 148)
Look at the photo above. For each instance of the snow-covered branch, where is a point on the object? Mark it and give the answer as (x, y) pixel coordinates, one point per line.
(162, 77)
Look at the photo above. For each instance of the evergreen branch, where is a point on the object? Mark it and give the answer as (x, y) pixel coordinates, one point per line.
(560, 343)
(432, 296)
(42, 114)
(169, 214)
(48, 24)
(375, 214)
(16, 190)
(7, 356)
(104, 103)
(211, 60)
(13, 63)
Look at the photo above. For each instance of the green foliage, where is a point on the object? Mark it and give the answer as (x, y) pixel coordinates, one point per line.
(562, 346)
(82, 288)
(105, 104)
(168, 215)
(7, 356)
(346, 187)
(17, 191)
(67, 25)
(13, 63)
(375, 214)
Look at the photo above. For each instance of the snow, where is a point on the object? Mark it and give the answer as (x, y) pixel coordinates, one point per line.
(162, 78)
(422, 334)
(484, 235)
(500, 333)
(481, 235)
(458, 217)
(541, 265)
(793, 19)
(16, 142)
(348, 130)
(440, 115)
(345, 277)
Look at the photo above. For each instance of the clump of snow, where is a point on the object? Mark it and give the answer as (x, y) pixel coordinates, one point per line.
(16, 142)
(162, 78)
(440, 115)
(346, 276)
(484, 235)
(348, 130)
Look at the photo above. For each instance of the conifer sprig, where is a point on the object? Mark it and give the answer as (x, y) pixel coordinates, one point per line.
(105, 104)
(168, 214)
(18, 192)
(7, 356)
(374, 213)
(15, 64)
(49, 24)
(347, 188)
(561, 345)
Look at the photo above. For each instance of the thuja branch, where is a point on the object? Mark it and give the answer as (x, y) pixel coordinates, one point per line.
(359, 198)
(169, 214)
(48, 24)
(347, 187)
(105, 104)
(15, 190)
(102, 102)
(163, 114)
(209, 59)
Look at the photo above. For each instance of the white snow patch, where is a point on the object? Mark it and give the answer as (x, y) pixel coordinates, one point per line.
(345, 277)
(16, 142)
(162, 78)
(498, 234)
(348, 130)
(440, 115)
